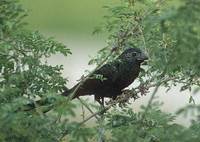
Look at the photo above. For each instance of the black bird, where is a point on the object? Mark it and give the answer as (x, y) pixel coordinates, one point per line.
(118, 74)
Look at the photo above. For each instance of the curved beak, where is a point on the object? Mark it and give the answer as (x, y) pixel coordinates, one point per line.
(142, 57)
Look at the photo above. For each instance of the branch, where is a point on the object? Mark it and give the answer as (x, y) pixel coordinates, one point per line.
(82, 102)
(126, 97)
(151, 98)
(96, 113)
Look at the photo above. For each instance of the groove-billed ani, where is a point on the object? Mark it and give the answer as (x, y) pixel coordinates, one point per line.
(118, 75)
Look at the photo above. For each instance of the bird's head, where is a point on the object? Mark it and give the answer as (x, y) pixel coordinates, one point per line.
(133, 55)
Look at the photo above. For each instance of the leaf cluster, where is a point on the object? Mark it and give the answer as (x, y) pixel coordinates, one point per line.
(155, 126)
(26, 76)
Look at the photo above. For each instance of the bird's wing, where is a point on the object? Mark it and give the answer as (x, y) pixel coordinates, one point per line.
(91, 85)
(109, 71)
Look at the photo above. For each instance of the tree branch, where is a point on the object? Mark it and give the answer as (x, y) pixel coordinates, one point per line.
(122, 99)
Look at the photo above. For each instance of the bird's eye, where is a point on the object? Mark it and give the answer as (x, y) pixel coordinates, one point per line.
(134, 54)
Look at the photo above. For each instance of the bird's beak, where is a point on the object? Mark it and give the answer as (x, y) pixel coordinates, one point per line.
(142, 57)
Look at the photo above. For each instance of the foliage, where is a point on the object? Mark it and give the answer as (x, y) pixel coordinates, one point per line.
(154, 126)
(170, 35)
(26, 76)
(11, 16)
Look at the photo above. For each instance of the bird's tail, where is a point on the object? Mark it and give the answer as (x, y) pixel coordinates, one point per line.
(66, 91)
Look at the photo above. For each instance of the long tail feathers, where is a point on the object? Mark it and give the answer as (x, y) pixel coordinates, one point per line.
(45, 102)
(66, 92)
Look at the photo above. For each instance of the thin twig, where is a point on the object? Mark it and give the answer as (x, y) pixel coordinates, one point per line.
(96, 113)
(143, 39)
(83, 112)
(90, 110)
(101, 129)
(151, 98)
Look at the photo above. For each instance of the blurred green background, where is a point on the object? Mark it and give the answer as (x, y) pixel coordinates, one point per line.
(66, 16)
(72, 23)
(69, 18)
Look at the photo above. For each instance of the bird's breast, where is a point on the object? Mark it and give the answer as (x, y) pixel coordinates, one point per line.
(127, 74)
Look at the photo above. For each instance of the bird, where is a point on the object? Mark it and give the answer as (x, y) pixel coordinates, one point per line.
(117, 75)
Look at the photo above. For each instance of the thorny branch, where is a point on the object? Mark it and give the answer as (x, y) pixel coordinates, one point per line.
(126, 96)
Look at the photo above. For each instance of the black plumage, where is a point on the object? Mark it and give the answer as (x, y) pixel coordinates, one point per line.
(118, 74)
